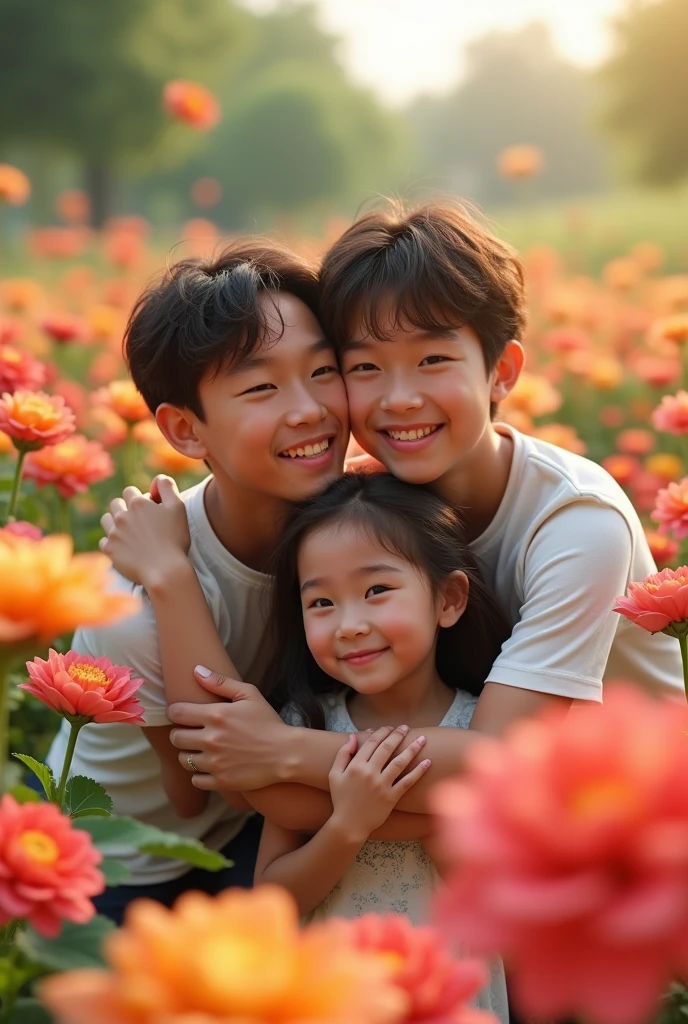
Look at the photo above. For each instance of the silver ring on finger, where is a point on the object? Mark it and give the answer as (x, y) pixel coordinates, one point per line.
(192, 764)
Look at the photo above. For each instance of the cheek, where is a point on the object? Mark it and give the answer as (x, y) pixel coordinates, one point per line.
(319, 637)
(362, 397)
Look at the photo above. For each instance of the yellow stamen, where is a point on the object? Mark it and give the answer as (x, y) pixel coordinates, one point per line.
(39, 847)
(88, 676)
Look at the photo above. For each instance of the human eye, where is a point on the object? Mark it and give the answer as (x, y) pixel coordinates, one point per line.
(259, 389)
(376, 590)
(324, 370)
(321, 602)
(362, 368)
(434, 360)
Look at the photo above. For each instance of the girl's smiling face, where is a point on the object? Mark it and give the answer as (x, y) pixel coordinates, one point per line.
(371, 617)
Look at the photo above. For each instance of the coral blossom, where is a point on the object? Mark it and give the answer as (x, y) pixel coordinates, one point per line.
(78, 685)
(48, 868)
(662, 548)
(72, 465)
(63, 328)
(671, 509)
(659, 602)
(671, 415)
(439, 986)
(15, 187)
(123, 398)
(191, 103)
(19, 370)
(33, 419)
(46, 590)
(569, 838)
(20, 528)
(236, 959)
(519, 162)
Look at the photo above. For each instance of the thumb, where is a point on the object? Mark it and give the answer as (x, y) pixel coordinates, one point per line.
(167, 489)
(215, 682)
(155, 491)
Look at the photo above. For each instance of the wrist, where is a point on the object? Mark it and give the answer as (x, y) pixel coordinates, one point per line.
(346, 833)
(173, 571)
(290, 754)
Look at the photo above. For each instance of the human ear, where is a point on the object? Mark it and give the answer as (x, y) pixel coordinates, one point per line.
(178, 426)
(454, 598)
(507, 371)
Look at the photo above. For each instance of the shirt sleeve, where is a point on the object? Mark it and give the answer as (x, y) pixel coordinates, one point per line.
(132, 642)
(577, 563)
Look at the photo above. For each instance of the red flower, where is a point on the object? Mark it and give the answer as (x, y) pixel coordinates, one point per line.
(438, 986)
(191, 103)
(63, 328)
(72, 466)
(658, 602)
(569, 838)
(48, 868)
(78, 685)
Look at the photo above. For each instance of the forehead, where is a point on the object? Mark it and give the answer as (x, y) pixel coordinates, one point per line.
(290, 332)
(346, 545)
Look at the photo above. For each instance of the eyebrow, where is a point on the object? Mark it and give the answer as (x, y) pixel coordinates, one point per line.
(254, 361)
(426, 334)
(365, 570)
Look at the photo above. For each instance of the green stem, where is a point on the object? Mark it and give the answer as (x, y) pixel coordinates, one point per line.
(683, 642)
(15, 486)
(9, 996)
(69, 754)
(4, 721)
(64, 518)
(129, 457)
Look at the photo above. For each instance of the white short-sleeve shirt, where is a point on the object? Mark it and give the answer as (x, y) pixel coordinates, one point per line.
(565, 542)
(119, 756)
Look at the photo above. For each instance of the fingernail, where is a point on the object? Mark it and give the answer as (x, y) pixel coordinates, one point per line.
(426, 764)
(403, 728)
(420, 740)
(201, 670)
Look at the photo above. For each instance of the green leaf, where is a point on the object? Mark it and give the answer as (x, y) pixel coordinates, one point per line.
(42, 773)
(29, 1011)
(25, 795)
(113, 833)
(78, 945)
(115, 871)
(85, 796)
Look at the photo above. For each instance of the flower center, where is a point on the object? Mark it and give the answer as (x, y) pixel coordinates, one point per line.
(8, 355)
(90, 677)
(611, 798)
(39, 847)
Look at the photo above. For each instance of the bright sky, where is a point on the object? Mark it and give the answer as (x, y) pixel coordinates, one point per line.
(405, 47)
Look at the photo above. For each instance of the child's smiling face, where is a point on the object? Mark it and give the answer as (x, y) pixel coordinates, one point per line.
(420, 401)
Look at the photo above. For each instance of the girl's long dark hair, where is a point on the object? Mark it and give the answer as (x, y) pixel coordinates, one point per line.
(411, 523)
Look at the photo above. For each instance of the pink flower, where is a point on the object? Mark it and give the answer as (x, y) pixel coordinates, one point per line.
(72, 465)
(78, 685)
(20, 528)
(48, 868)
(671, 509)
(19, 369)
(569, 840)
(438, 986)
(658, 602)
(33, 419)
(671, 415)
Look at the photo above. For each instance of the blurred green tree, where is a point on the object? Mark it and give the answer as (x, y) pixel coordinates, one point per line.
(516, 90)
(85, 78)
(646, 79)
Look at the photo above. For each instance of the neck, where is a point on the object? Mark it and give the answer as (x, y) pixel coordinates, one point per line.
(247, 524)
(477, 484)
(421, 699)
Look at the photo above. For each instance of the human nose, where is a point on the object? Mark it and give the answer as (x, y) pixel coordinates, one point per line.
(400, 396)
(351, 625)
(305, 409)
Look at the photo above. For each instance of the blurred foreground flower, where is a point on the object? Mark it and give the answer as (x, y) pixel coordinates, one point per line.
(570, 843)
(48, 868)
(236, 959)
(439, 986)
(72, 466)
(15, 187)
(191, 103)
(671, 509)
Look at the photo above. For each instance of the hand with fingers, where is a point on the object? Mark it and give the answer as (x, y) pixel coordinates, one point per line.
(366, 783)
(147, 535)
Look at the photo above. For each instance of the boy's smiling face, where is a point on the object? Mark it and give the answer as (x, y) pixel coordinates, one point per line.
(277, 425)
(419, 401)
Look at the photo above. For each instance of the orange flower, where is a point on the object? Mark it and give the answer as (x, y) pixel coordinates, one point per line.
(621, 274)
(48, 868)
(664, 465)
(534, 395)
(624, 468)
(569, 838)
(659, 603)
(104, 322)
(191, 103)
(648, 255)
(605, 373)
(161, 455)
(78, 685)
(517, 162)
(671, 509)
(438, 985)
(635, 441)
(73, 206)
(46, 590)
(108, 427)
(236, 959)
(19, 371)
(672, 328)
(122, 397)
(671, 415)
(15, 187)
(72, 465)
(663, 549)
(657, 371)
(20, 293)
(33, 419)
(562, 435)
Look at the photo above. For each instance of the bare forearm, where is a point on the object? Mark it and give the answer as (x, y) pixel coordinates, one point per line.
(187, 801)
(313, 870)
(187, 634)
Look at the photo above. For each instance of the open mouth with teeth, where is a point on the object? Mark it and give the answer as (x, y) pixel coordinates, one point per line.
(309, 451)
(413, 435)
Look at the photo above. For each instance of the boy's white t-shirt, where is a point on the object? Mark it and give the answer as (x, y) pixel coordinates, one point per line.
(565, 542)
(119, 756)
